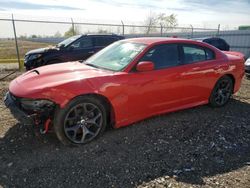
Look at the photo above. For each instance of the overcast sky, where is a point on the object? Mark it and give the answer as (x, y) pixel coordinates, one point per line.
(200, 13)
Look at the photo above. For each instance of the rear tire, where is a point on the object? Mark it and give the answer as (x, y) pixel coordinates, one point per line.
(222, 92)
(82, 120)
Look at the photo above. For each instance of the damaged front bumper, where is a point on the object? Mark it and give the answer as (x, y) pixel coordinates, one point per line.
(11, 103)
(28, 113)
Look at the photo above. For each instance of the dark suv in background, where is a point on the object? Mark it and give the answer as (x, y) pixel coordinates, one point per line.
(216, 42)
(78, 47)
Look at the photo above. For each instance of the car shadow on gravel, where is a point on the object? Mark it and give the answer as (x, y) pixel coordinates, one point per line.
(187, 145)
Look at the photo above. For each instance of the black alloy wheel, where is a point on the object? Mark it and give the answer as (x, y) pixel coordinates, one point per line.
(222, 92)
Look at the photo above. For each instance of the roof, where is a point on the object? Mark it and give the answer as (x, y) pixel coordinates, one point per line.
(152, 40)
(204, 38)
(102, 34)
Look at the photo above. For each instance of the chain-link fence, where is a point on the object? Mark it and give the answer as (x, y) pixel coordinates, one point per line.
(18, 36)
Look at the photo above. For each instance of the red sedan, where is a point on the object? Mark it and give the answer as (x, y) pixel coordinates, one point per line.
(127, 81)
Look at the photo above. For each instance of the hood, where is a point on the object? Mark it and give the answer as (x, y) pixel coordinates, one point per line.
(42, 50)
(52, 76)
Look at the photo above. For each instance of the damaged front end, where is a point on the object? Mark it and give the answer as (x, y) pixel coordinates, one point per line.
(37, 112)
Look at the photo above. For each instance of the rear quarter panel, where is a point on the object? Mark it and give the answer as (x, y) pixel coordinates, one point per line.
(236, 63)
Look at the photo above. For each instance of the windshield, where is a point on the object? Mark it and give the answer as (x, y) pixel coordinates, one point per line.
(116, 56)
(68, 41)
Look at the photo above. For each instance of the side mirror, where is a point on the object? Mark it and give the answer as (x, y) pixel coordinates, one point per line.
(145, 66)
(62, 46)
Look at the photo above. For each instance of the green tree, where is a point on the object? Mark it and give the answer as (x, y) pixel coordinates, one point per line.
(73, 30)
(150, 23)
(168, 22)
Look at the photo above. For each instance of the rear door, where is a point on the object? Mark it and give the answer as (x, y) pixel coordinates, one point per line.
(198, 76)
(101, 42)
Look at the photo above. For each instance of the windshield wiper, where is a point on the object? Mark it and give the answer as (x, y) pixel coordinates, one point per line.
(92, 65)
(95, 66)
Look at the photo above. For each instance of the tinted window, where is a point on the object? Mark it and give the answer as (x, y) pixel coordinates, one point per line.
(83, 43)
(163, 56)
(209, 54)
(195, 54)
(111, 40)
(67, 41)
(104, 41)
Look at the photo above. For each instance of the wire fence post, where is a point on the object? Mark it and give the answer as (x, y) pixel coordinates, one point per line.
(17, 50)
(192, 31)
(161, 30)
(73, 26)
(218, 30)
(122, 28)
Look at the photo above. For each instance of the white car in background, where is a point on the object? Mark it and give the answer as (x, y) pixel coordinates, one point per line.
(247, 68)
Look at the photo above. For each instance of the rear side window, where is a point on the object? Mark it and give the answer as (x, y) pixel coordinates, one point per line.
(195, 53)
(209, 54)
(111, 40)
(104, 41)
(163, 56)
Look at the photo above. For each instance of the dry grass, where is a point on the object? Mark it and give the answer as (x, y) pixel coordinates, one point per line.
(8, 49)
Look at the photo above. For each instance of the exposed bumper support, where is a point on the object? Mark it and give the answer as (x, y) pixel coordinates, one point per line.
(16, 111)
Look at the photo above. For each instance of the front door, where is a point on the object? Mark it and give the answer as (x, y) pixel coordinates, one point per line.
(158, 90)
(80, 49)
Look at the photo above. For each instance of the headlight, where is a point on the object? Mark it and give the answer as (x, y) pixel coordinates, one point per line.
(34, 56)
(247, 63)
(30, 104)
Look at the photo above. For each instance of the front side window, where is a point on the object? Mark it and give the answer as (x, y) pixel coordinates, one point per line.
(82, 43)
(194, 54)
(163, 56)
(68, 41)
(116, 56)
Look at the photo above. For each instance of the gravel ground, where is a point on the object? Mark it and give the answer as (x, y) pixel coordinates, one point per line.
(198, 147)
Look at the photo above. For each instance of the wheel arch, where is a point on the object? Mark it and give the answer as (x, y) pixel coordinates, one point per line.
(232, 77)
(228, 75)
(211, 97)
(107, 104)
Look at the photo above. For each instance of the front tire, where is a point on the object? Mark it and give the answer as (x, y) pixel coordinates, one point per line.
(222, 92)
(82, 120)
